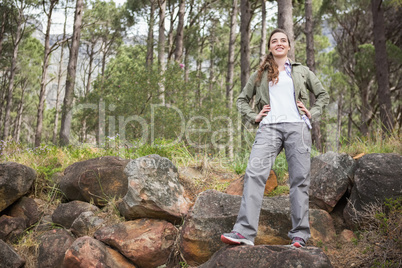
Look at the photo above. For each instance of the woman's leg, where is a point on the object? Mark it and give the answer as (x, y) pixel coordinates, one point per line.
(297, 143)
(267, 145)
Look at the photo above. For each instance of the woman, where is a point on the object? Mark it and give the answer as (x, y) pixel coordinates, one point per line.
(281, 89)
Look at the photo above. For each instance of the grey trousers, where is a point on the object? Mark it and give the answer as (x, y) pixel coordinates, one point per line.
(269, 141)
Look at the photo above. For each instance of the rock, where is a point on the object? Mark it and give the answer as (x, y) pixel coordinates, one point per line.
(27, 209)
(331, 176)
(347, 236)
(215, 213)
(188, 177)
(52, 248)
(268, 256)
(236, 187)
(86, 223)
(8, 257)
(66, 213)
(321, 227)
(96, 180)
(154, 190)
(11, 228)
(377, 177)
(15, 181)
(146, 242)
(88, 252)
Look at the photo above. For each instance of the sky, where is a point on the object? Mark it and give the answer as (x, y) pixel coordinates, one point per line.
(58, 20)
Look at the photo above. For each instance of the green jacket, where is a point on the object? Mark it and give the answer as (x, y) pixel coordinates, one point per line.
(303, 80)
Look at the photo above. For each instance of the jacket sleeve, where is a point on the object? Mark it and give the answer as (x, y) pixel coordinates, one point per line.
(244, 99)
(321, 95)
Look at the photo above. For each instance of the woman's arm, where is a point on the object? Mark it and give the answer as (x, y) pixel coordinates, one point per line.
(244, 99)
(321, 95)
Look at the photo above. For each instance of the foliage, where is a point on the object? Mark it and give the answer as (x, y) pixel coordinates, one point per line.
(380, 238)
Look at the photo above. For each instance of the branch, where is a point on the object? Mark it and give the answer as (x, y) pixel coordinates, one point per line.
(58, 43)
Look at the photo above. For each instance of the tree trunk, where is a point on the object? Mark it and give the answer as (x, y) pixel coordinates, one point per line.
(186, 68)
(381, 64)
(199, 71)
(66, 116)
(150, 40)
(2, 97)
(161, 46)
(285, 22)
(2, 30)
(229, 77)
(59, 76)
(90, 71)
(263, 41)
(309, 31)
(339, 125)
(366, 111)
(180, 32)
(245, 18)
(18, 119)
(43, 83)
(211, 58)
(18, 37)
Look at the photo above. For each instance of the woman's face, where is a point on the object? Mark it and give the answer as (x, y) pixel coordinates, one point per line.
(279, 45)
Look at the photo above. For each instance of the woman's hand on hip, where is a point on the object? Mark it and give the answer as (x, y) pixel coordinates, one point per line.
(263, 113)
(304, 109)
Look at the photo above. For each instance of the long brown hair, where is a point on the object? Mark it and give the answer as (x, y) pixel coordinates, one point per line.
(269, 63)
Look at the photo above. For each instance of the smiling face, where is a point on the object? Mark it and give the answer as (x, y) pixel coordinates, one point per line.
(279, 45)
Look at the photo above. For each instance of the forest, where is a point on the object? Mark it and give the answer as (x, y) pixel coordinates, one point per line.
(168, 72)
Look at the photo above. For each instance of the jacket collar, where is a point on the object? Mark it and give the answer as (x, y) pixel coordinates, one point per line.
(294, 62)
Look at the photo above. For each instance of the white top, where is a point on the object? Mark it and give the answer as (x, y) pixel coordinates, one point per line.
(282, 102)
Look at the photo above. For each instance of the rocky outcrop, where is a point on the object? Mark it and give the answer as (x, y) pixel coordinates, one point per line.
(86, 223)
(52, 247)
(268, 256)
(27, 209)
(8, 257)
(11, 228)
(321, 227)
(66, 213)
(377, 177)
(331, 176)
(15, 181)
(18, 217)
(236, 187)
(88, 252)
(215, 213)
(154, 190)
(96, 180)
(146, 242)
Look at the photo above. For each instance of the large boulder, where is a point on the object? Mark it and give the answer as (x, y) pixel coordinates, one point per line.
(88, 252)
(8, 257)
(15, 181)
(96, 180)
(66, 213)
(146, 242)
(215, 213)
(86, 223)
(154, 190)
(27, 209)
(52, 248)
(268, 256)
(331, 176)
(11, 228)
(377, 177)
